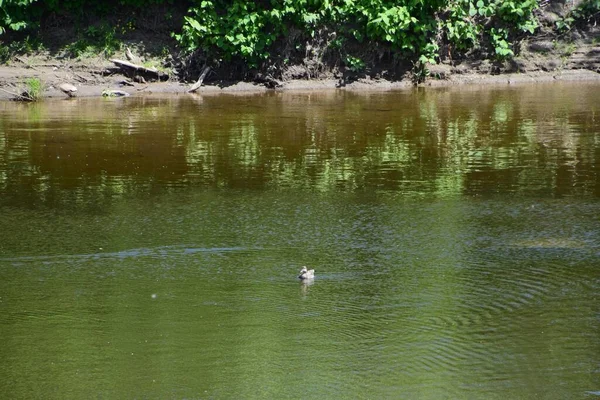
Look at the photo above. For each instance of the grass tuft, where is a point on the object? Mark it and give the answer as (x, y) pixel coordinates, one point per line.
(34, 89)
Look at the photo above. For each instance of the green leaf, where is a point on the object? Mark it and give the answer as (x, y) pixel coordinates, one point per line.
(195, 24)
(472, 10)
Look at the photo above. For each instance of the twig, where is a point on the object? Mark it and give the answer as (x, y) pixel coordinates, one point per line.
(27, 65)
(81, 78)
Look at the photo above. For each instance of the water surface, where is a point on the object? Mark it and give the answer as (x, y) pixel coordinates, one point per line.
(149, 246)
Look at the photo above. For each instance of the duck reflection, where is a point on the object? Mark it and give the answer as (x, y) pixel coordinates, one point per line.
(305, 285)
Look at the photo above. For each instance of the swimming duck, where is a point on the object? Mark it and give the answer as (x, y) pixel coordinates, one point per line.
(306, 273)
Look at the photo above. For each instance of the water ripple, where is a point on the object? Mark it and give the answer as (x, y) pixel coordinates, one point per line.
(157, 252)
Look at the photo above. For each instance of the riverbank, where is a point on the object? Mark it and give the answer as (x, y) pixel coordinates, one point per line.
(90, 84)
(546, 56)
(539, 62)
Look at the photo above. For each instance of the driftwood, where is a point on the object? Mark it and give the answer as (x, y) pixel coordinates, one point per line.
(198, 83)
(135, 68)
(80, 77)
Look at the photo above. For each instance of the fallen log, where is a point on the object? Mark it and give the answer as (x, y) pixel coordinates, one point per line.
(135, 68)
(198, 83)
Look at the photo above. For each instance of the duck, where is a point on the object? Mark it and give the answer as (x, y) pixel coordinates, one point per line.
(306, 273)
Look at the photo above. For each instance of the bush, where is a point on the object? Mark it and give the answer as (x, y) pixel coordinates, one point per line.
(229, 29)
(247, 31)
(489, 23)
(16, 15)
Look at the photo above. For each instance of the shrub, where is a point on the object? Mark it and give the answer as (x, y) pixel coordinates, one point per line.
(230, 29)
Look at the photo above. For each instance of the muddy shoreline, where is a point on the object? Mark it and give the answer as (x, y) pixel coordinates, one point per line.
(93, 80)
(94, 89)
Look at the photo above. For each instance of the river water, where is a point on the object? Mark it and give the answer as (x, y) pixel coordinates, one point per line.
(149, 246)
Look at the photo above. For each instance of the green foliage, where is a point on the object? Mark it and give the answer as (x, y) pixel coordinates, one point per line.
(95, 40)
(229, 29)
(16, 15)
(459, 26)
(5, 54)
(472, 24)
(248, 31)
(34, 89)
(354, 64)
(586, 11)
(429, 53)
(245, 30)
(420, 72)
(499, 39)
(26, 45)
